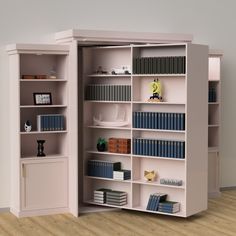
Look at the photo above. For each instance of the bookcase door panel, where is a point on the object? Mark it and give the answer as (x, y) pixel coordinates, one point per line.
(44, 184)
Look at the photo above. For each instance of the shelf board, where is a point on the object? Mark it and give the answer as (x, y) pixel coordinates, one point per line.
(213, 103)
(155, 183)
(43, 106)
(43, 80)
(52, 156)
(159, 75)
(108, 127)
(107, 179)
(213, 149)
(213, 126)
(160, 130)
(96, 101)
(109, 76)
(158, 103)
(159, 158)
(108, 153)
(43, 132)
(213, 80)
(107, 205)
(140, 208)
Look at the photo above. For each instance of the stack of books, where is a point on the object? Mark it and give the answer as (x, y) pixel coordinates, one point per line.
(51, 122)
(99, 195)
(104, 169)
(159, 65)
(159, 120)
(154, 201)
(169, 207)
(122, 174)
(117, 198)
(159, 148)
(212, 93)
(108, 92)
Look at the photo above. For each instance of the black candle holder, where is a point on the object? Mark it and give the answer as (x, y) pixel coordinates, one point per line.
(41, 148)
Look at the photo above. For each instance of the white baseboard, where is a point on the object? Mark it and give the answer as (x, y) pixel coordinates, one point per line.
(228, 188)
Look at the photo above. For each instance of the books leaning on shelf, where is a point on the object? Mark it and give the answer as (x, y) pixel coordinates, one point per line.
(159, 120)
(119, 145)
(169, 207)
(117, 198)
(159, 65)
(175, 182)
(104, 169)
(122, 174)
(159, 148)
(154, 201)
(50, 122)
(108, 92)
(99, 195)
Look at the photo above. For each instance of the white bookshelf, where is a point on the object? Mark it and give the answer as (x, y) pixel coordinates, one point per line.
(181, 95)
(214, 125)
(34, 180)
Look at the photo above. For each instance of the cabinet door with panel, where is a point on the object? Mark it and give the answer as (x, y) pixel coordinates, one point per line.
(44, 184)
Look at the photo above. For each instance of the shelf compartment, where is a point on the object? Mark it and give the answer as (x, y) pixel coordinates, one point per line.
(107, 179)
(161, 169)
(55, 144)
(141, 194)
(156, 183)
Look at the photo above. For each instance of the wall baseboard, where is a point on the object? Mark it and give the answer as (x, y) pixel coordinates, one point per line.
(228, 188)
(4, 209)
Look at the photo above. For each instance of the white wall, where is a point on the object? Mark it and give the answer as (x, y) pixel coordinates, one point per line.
(211, 22)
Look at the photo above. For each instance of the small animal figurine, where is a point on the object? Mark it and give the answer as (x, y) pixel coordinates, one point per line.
(150, 175)
(28, 126)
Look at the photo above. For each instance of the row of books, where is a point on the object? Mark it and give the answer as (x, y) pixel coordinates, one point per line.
(108, 92)
(51, 122)
(212, 93)
(104, 169)
(122, 174)
(159, 120)
(159, 148)
(159, 65)
(158, 202)
(111, 197)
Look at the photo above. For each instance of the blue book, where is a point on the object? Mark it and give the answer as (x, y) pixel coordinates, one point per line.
(144, 147)
(155, 120)
(182, 123)
(157, 200)
(174, 149)
(156, 148)
(152, 203)
(171, 149)
(182, 150)
(168, 121)
(149, 203)
(174, 121)
(178, 121)
(143, 120)
(159, 148)
(165, 121)
(166, 148)
(159, 121)
(152, 114)
(178, 149)
(153, 148)
(141, 146)
(162, 121)
(149, 147)
(138, 146)
(134, 119)
(138, 120)
(62, 122)
(134, 146)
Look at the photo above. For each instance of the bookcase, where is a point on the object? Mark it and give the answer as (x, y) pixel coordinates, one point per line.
(40, 184)
(184, 93)
(214, 118)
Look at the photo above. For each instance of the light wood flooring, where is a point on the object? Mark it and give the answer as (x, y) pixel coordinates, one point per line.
(220, 219)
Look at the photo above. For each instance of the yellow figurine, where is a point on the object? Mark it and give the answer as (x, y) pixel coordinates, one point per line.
(149, 175)
(155, 87)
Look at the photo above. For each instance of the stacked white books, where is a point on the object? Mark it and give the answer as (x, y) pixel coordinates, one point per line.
(117, 198)
(99, 195)
(122, 174)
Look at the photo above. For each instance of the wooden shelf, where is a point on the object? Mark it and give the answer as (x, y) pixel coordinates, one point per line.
(155, 183)
(44, 132)
(160, 130)
(107, 179)
(213, 149)
(43, 80)
(213, 126)
(214, 80)
(159, 75)
(108, 127)
(109, 76)
(56, 156)
(96, 101)
(108, 205)
(213, 103)
(158, 103)
(159, 158)
(43, 106)
(108, 153)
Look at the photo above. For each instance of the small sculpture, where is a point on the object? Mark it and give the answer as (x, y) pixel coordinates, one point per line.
(41, 148)
(101, 144)
(28, 126)
(150, 175)
(156, 91)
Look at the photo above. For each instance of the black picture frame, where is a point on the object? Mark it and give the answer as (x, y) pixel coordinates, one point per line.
(42, 98)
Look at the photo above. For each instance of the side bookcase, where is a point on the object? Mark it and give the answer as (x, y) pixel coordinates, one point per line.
(112, 97)
(39, 183)
(214, 123)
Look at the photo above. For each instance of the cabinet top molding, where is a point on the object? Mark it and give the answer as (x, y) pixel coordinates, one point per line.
(39, 49)
(103, 36)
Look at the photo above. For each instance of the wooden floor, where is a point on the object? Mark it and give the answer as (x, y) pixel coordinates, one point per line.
(220, 219)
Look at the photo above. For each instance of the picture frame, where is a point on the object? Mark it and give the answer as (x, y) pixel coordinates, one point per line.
(42, 98)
